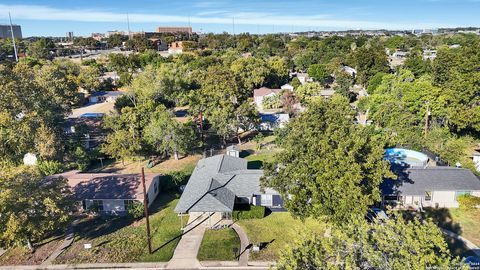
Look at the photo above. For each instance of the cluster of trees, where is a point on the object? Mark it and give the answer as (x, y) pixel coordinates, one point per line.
(330, 169)
(447, 87)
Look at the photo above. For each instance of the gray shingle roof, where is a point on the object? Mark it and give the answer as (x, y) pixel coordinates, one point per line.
(215, 182)
(416, 181)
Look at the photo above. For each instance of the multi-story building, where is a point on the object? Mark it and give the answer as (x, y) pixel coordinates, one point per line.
(174, 29)
(5, 31)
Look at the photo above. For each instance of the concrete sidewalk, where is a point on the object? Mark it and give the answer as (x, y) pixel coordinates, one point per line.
(474, 248)
(244, 244)
(185, 255)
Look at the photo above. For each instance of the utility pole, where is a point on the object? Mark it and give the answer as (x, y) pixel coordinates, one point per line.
(233, 25)
(427, 113)
(145, 207)
(128, 24)
(13, 38)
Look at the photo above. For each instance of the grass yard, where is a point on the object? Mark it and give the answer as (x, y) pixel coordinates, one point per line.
(121, 239)
(23, 256)
(276, 231)
(218, 245)
(460, 221)
(135, 166)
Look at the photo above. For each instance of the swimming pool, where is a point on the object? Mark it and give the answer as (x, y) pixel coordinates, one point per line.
(407, 157)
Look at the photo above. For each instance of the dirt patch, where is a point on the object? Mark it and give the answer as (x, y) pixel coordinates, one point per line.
(23, 256)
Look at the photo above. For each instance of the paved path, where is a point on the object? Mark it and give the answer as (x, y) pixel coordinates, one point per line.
(467, 243)
(69, 236)
(185, 255)
(244, 245)
(2, 251)
(118, 266)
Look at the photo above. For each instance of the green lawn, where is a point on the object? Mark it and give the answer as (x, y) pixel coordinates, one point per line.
(277, 230)
(218, 245)
(124, 240)
(460, 221)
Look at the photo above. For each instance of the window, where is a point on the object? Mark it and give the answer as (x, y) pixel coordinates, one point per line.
(428, 195)
(462, 192)
(127, 203)
(98, 204)
(266, 200)
(155, 187)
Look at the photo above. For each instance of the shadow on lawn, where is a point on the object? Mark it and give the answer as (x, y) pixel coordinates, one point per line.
(91, 228)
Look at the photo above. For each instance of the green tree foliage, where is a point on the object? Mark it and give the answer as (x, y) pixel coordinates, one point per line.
(31, 206)
(394, 244)
(272, 102)
(89, 78)
(307, 91)
(324, 154)
(50, 167)
(116, 40)
(468, 202)
(121, 144)
(370, 60)
(41, 49)
(278, 72)
(167, 136)
(135, 210)
(343, 82)
(319, 72)
(250, 72)
(139, 43)
(33, 107)
(416, 64)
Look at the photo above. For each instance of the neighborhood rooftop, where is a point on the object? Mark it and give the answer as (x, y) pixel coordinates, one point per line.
(215, 183)
(417, 181)
(106, 185)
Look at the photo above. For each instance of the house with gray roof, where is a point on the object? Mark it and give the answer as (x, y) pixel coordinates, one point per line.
(430, 187)
(218, 183)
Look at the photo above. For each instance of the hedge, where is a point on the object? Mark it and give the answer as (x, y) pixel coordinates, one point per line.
(468, 201)
(255, 212)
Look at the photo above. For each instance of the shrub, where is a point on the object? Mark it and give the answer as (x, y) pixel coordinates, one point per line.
(135, 210)
(255, 212)
(468, 201)
(49, 167)
(173, 180)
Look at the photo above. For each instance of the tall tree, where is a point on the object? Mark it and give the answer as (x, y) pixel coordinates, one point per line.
(325, 154)
(30, 206)
(166, 135)
(395, 244)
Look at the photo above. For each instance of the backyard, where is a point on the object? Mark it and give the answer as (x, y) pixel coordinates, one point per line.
(122, 239)
(275, 231)
(460, 221)
(219, 245)
(23, 256)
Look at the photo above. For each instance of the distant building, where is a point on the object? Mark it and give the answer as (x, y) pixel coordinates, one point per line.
(69, 35)
(98, 36)
(175, 47)
(429, 54)
(174, 29)
(104, 96)
(115, 32)
(5, 31)
(261, 93)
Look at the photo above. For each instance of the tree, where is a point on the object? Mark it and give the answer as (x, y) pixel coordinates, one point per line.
(319, 72)
(343, 82)
(370, 60)
(250, 72)
(308, 90)
(394, 244)
(41, 48)
(166, 135)
(89, 78)
(121, 144)
(116, 40)
(278, 72)
(324, 154)
(30, 206)
(245, 118)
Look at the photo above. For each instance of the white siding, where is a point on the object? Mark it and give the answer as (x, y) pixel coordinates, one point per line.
(151, 190)
(444, 199)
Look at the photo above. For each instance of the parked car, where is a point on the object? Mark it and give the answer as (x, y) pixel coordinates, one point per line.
(376, 214)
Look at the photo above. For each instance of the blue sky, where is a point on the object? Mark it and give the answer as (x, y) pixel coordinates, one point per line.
(54, 18)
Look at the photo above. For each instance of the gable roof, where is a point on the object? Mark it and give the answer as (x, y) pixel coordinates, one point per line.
(215, 182)
(416, 181)
(88, 186)
(261, 92)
